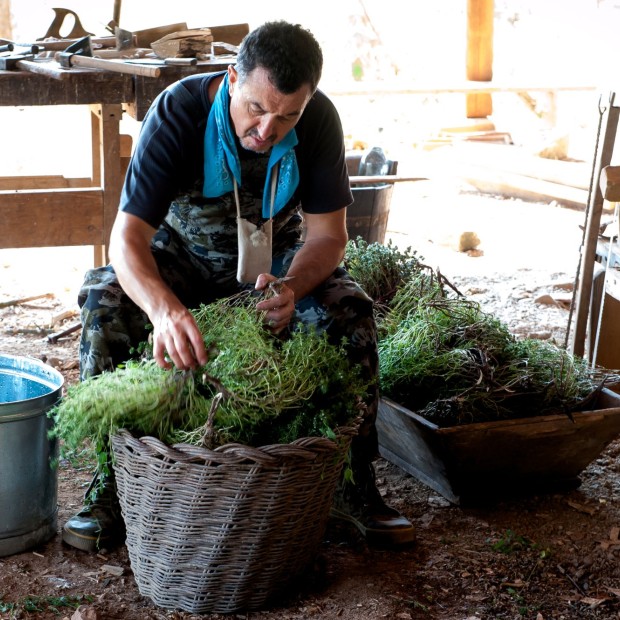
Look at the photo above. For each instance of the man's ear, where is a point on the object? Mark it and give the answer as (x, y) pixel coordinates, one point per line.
(233, 77)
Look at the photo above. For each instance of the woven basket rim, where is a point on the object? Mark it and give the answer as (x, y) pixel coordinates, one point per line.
(304, 448)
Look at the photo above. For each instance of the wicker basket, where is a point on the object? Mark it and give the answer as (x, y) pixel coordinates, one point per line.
(224, 530)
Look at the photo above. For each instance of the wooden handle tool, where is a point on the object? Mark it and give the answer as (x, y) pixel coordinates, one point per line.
(80, 54)
(115, 66)
(26, 62)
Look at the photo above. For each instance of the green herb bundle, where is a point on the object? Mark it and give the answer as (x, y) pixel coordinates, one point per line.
(275, 390)
(380, 269)
(140, 396)
(262, 389)
(443, 357)
(453, 363)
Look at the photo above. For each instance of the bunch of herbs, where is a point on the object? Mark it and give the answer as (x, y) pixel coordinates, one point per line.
(380, 269)
(260, 388)
(442, 356)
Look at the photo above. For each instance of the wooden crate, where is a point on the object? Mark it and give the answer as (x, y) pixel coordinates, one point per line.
(488, 459)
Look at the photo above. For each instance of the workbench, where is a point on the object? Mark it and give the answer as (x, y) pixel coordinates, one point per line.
(50, 211)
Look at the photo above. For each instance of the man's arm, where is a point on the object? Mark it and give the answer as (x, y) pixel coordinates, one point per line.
(175, 333)
(322, 251)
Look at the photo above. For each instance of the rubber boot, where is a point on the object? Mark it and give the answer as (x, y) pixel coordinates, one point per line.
(360, 503)
(99, 524)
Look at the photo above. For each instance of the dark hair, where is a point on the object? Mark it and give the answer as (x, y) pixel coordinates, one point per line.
(289, 52)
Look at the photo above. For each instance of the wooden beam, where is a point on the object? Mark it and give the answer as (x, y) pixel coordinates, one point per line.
(479, 62)
(106, 139)
(40, 218)
(42, 182)
(504, 183)
(368, 89)
(509, 158)
(6, 26)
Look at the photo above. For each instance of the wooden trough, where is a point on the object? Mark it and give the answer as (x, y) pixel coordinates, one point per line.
(489, 459)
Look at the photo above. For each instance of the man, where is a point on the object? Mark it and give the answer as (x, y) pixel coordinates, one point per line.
(229, 170)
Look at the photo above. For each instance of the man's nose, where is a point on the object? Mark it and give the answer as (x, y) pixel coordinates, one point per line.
(266, 127)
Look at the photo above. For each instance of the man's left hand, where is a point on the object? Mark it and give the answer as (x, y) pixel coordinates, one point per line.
(279, 306)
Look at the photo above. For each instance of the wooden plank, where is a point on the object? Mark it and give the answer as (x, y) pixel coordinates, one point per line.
(144, 38)
(610, 183)
(512, 159)
(502, 182)
(41, 218)
(84, 86)
(519, 186)
(146, 89)
(183, 44)
(452, 87)
(230, 33)
(409, 442)
(42, 182)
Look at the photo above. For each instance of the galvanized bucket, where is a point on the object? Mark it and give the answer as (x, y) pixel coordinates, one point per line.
(28, 477)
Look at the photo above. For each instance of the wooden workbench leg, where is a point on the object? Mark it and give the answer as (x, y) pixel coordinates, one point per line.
(107, 168)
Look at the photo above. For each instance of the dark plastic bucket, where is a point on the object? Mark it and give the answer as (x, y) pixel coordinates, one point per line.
(28, 478)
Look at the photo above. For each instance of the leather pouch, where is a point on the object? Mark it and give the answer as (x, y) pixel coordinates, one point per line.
(254, 244)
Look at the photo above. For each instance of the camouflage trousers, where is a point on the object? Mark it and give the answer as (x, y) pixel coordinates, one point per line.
(113, 326)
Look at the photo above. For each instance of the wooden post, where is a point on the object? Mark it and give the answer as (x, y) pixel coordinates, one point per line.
(610, 117)
(106, 168)
(6, 26)
(479, 55)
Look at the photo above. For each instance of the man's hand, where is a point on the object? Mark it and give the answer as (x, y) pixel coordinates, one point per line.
(177, 340)
(279, 306)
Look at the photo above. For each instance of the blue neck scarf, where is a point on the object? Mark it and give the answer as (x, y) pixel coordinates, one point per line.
(221, 161)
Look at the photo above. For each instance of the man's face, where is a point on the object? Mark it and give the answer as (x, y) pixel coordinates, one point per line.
(260, 113)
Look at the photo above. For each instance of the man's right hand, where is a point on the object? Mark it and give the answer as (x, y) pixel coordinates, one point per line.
(177, 340)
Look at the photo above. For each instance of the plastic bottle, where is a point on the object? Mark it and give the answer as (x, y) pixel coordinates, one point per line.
(373, 163)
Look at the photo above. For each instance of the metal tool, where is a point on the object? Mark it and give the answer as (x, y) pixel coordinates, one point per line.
(19, 48)
(124, 39)
(26, 62)
(181, 62)
(80, 54)
(53, 32)
(58, 46)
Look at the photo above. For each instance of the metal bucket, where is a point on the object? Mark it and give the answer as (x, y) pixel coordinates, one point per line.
(28, 476)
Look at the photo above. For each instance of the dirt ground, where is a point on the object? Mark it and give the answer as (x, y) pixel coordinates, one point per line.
(533, 556)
